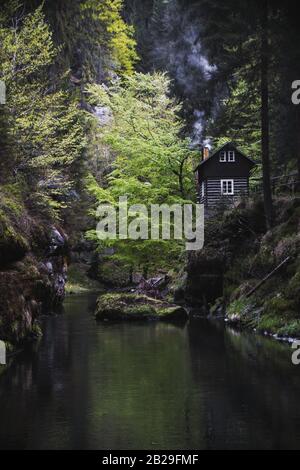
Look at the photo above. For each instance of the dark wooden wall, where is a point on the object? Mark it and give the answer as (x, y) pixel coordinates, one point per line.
(213, 193)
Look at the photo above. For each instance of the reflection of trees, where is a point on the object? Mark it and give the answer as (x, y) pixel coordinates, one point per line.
(42, 390)
(145, 388)
(148, 386)
(251, 400)
(101, 386)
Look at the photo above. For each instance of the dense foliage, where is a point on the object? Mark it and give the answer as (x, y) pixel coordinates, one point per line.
(96, 85)
(153, 165)
(43, 125)
(41, 122)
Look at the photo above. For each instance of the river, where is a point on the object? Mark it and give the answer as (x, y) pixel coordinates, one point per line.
(148, 386)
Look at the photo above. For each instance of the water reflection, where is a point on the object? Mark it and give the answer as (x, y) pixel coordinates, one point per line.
(146, 386)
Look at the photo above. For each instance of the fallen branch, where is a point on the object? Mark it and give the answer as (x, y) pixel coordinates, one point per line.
(268, 277)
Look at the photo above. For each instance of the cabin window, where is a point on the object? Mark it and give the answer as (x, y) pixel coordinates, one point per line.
(231, 156)
(227, 156)
(222, 156)
(227, 187)
(203, 189)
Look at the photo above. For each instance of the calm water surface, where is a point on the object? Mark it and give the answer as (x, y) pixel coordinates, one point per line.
(148, 386)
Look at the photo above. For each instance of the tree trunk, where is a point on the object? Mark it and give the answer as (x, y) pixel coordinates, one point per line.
(265, 145)
(181, 184)
(145, 271)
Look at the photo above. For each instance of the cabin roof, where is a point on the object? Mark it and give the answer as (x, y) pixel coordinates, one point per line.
(218, 150)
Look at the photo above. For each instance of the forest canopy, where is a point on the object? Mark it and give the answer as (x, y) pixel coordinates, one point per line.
(168, 76)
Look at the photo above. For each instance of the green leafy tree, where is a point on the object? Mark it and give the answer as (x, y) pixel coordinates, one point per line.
(43, 125)
(112, 33)
(153, 165)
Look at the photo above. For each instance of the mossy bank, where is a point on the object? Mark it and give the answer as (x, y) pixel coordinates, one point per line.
(239, 252)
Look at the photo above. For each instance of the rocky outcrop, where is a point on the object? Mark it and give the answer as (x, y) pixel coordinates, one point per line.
(33, 272)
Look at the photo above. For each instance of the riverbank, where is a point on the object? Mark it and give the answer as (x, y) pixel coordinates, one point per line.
(239, 252)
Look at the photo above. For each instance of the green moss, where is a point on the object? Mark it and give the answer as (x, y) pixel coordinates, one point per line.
(141, 310)
(113, 307)
(280, 326)
(271, 324)
(238, 307)
(165, 312)
(280, 306)
(290, 329)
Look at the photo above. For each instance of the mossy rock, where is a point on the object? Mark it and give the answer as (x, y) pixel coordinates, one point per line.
(135, 307)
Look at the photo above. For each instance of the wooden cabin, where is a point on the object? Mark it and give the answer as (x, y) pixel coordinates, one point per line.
(223, 176)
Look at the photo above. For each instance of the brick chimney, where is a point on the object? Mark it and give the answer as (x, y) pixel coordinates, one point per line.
(205, 153)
